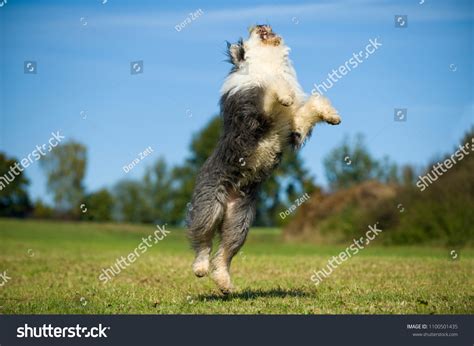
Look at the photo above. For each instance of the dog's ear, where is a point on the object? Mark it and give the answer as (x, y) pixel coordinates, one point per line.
(236, 52)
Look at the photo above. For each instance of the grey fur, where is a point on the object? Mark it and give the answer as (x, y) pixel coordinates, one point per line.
(222, 176)
(224, 181)
(235, 53)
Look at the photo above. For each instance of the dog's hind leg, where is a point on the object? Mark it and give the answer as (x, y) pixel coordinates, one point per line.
(204, 216)
(238, 217)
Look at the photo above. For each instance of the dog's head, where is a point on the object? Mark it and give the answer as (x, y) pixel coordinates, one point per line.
(262, 54)
(260, 36)
(264, 35)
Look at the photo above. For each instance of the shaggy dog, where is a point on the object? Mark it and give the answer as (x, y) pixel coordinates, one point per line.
(264, 110)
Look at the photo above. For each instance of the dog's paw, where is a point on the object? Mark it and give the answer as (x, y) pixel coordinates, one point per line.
(226, 290)
(286, 100)
(333, 119)
(222, 279)
(324, 110)
(201, 268)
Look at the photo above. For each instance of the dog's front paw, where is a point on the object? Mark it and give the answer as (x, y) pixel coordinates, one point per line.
(325, 111)
(333, 119)
(286, 100)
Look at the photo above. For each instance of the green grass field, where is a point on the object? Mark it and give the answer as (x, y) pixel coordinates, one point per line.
(54, 268)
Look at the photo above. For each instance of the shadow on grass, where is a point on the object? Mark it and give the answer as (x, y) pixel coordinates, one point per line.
(249, 294)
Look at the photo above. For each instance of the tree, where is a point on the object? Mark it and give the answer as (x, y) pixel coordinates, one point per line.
(65, 168)
(201, 147)
(287, 183)
(14, 200)
(42, 210)
(408, 175)
(157, 185)
(351, 163)
(99, 206)
(387, 171)
(183, 185)
(131, 202)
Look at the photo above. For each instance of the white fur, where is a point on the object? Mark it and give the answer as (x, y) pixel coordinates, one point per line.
(262, 66)
(269, 66)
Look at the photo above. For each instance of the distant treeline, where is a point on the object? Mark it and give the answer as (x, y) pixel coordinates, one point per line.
(162, 194)
(433, 206)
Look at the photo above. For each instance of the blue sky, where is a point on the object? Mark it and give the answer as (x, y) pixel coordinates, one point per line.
(83, 51)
